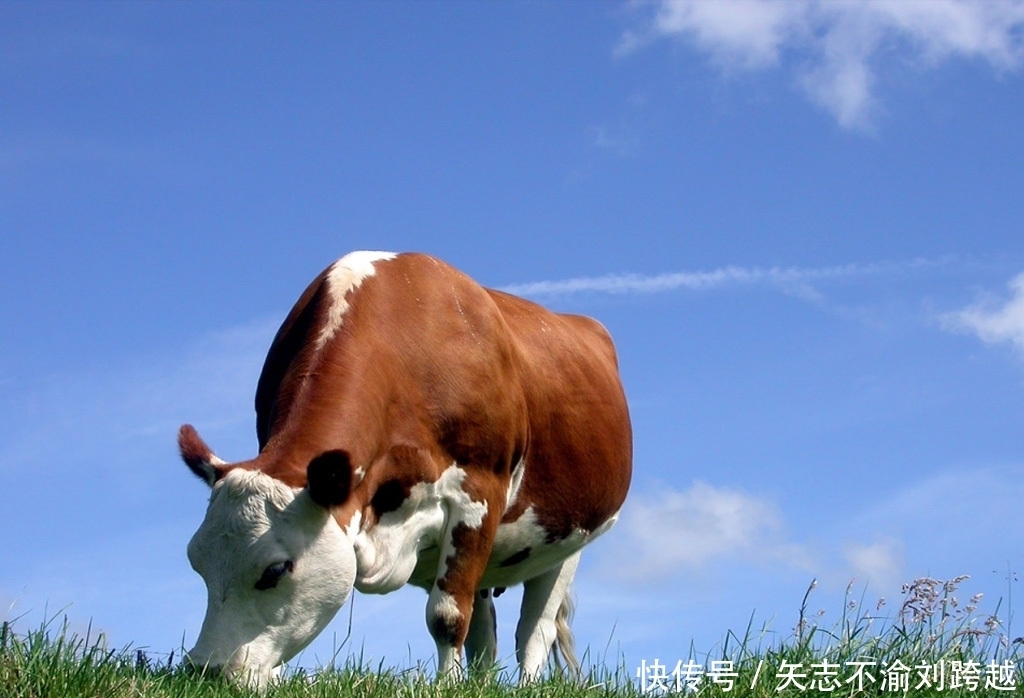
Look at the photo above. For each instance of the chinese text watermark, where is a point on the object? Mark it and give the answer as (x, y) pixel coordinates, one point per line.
(825, 676)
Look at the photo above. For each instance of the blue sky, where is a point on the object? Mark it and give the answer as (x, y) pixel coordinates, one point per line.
(800, 221)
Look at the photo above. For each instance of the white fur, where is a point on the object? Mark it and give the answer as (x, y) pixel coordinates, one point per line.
(443, 605)
(344, 276)
(209, 469)
(525, 532)
(536, 630)
(387, 554)
(254, 521)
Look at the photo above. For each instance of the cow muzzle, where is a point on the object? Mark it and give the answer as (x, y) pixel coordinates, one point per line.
(241, 673)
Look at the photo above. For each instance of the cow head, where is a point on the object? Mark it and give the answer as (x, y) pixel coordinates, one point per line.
(276, 564)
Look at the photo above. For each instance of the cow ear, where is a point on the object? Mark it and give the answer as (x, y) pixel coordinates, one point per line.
(330, 478)
(198, 456)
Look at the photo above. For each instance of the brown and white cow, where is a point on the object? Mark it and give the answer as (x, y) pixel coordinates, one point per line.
(414, 428)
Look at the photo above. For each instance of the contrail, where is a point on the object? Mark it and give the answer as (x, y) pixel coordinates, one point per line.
(709, 280)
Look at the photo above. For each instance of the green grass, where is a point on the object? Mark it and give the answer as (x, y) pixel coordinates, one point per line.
(929, 629)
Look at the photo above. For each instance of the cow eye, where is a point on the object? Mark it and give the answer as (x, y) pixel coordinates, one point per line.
(272, 575)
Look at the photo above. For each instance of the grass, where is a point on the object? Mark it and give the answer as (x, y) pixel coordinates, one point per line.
(931, 630)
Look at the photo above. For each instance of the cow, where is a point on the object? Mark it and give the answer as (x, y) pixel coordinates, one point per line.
(414, 428)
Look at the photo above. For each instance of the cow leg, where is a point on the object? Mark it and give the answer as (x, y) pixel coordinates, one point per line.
(447, 624)
(537, 629)
(465, 548)
(482, 640)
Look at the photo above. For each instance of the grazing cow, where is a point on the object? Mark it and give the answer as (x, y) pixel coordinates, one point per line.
(414, 428)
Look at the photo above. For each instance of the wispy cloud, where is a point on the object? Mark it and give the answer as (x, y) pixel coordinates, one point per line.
(993, 322)
(791, 279)
(932, 525)
(135, 404)
(690, 529)
(705, 529)
(834, 49)
(881, 563)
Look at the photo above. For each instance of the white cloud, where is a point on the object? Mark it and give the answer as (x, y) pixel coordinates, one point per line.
(880, 563)
(994, 325)
(737, 33)
(794, 280)
(617, 140)
(948, 523)
(833, 48)
(686, 531)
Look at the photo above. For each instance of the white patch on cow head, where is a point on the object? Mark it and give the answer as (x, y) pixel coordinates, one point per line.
(387, 552)
(277, 568)
(344, 276)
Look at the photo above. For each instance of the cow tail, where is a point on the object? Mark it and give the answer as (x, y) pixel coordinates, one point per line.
(565, 646)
